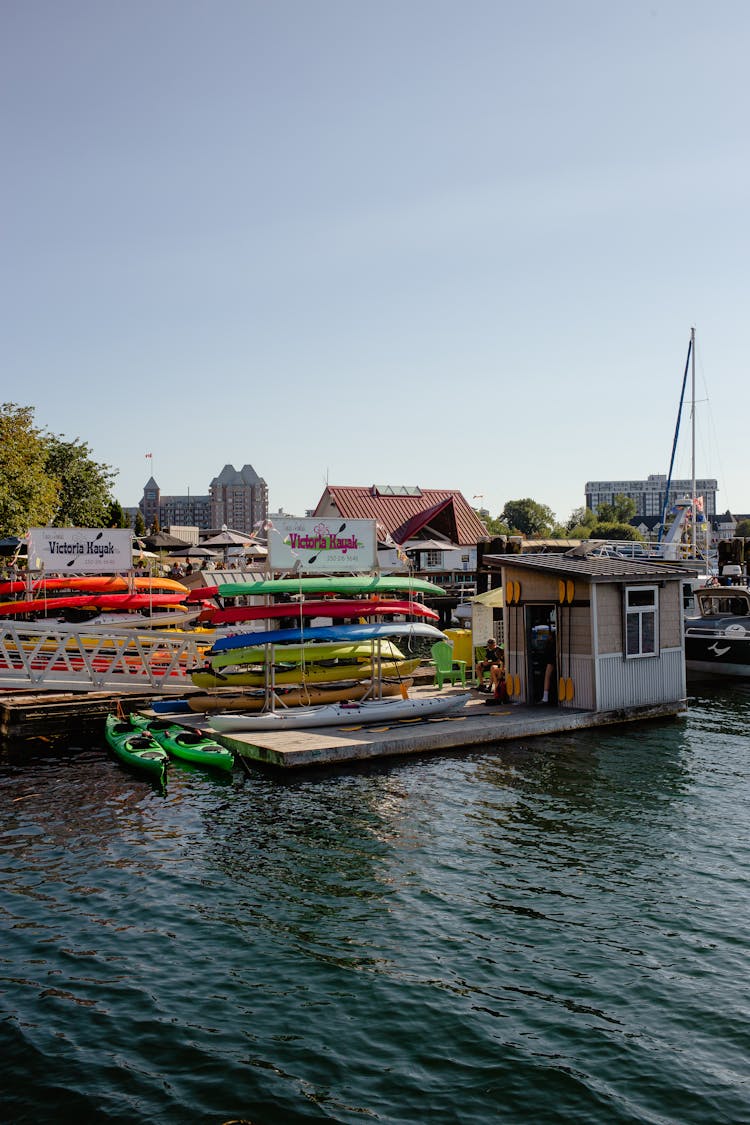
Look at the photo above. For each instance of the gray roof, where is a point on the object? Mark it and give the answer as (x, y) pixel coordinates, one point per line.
(594, 569)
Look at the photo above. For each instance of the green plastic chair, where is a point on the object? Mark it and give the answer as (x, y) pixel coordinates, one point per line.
(446, 668)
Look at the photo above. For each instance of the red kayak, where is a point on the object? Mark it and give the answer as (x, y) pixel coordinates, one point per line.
(334, 608)
(49, 606)
(92, 583)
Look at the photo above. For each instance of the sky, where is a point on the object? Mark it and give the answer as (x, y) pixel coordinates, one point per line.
(413, 242)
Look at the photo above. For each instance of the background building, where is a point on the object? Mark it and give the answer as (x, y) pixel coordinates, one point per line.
(237, 499)
(650, 494)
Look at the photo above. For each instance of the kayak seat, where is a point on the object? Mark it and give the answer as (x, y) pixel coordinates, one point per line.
(142, 742)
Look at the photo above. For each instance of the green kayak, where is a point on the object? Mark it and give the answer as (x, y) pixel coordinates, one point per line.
(329, 584)
(189, 745)
(136, 748)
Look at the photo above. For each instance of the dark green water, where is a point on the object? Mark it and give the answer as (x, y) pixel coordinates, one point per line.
(551, 932)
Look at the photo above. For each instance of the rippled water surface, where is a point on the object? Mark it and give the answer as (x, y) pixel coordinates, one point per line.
(549, 932)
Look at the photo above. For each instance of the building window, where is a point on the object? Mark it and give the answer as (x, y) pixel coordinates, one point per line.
(433, 558)
(641, 621)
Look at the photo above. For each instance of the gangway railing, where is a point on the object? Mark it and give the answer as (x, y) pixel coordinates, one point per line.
(60, 657)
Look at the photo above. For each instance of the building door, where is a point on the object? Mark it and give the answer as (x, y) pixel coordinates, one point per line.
(541, 649)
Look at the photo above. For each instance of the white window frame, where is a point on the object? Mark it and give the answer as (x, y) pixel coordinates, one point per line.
(634, 613)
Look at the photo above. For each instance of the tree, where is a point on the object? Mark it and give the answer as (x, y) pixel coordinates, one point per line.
(116, 516)
(85, 485)
(496, 526)
(742, 530)
(621, 510)
(527, 517)
(580, 523)
(616, 531)
(28, 495)
(140, 524)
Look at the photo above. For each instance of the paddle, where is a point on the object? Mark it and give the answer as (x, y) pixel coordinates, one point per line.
(517, 681)
(569, 689)
(74, 560)
(314, 557)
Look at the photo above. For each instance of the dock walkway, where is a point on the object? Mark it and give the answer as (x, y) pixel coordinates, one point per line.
(475, 725)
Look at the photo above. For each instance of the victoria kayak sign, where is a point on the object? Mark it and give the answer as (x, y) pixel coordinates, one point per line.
(80, 550)
(322, 545)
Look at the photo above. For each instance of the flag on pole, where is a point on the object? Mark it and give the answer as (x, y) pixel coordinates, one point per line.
(150, 455)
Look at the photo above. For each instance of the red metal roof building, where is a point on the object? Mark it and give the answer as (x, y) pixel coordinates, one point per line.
(405, 513)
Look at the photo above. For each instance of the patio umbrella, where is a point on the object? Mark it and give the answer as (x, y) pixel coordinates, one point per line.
(427, 545)
(227, 538)
(9, 544)
(162, 541)
(193, 552)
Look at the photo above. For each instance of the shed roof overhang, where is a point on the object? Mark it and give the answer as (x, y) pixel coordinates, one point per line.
(592, 569)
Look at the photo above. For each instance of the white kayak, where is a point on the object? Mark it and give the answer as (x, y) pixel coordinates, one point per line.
(337, 714)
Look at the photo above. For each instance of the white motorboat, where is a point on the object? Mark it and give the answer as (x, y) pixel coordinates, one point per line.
(717, 638)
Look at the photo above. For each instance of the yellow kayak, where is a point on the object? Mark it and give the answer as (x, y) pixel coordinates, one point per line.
(305, 674)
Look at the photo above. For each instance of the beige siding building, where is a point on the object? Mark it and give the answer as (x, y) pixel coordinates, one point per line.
(612, 629)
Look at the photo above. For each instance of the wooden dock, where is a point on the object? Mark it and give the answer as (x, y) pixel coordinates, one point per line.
(29, 715)
(475, 725)
(25, 715)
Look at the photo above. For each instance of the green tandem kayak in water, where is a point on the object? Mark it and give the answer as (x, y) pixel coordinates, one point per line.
(136, 748)
(189, 745)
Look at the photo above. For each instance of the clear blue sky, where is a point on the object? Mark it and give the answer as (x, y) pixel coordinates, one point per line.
(458, 245)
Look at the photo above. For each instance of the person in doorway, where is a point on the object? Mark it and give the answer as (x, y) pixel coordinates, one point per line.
(550, 659)
(492, 655)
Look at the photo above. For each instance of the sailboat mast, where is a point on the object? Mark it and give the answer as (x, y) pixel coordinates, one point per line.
(693, 497)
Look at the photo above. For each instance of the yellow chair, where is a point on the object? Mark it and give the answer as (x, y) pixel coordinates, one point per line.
(446, 668)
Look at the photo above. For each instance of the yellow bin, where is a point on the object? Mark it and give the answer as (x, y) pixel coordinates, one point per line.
(461, 639)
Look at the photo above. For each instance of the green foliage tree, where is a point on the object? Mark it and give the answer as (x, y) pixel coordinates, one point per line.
(616, 531)
(116, 516)
(495, 526)
(85, 493)
(528, 518)
(580, 523)
(140, 524)
(621, 510)
(742, 530)
(28, 495)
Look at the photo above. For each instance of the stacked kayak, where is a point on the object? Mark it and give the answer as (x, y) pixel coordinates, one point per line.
(314, 655)
(307, 696)
(136, 748)
(336, 714)
(358, 646)
(98, 599)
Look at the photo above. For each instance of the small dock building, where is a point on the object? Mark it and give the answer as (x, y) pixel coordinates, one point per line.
(616, 627)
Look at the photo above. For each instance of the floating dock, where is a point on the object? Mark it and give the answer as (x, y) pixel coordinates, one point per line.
(476, 724)
(29, 715)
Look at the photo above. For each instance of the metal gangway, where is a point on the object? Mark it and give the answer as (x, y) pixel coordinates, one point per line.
(58, 657)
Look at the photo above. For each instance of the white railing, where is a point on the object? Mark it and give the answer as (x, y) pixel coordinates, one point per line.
(73, 658)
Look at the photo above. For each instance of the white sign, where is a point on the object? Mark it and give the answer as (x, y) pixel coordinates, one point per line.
(81, 550)
(322, 545)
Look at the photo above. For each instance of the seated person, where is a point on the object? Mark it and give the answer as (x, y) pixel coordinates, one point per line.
(493, 655)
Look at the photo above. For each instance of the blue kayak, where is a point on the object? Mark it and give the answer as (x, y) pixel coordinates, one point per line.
(371, 631)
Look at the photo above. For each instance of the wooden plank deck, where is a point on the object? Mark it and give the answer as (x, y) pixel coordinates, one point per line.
(25, 715)
(475, 725)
